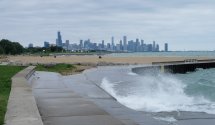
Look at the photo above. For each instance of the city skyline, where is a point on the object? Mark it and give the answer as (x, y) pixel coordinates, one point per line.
(122, 45)
(186, 25)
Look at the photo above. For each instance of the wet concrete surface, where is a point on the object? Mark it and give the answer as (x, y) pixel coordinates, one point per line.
(79, 100)
(60, 105)
(22, 108)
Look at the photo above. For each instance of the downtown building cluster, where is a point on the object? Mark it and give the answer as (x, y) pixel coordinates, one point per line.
(123, 45)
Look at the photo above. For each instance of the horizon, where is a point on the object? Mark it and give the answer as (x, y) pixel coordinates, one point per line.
(184, 25)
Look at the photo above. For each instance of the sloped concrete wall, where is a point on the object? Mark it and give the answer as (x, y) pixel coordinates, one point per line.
(22, 108)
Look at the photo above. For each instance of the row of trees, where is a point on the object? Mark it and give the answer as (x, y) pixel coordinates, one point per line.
(14, 48)
(8, 47)
(51, 49)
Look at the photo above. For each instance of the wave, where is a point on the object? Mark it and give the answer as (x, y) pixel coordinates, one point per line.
(157, 93)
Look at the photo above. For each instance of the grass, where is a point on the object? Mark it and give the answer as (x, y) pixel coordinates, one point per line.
(6, 72)
(63, 69)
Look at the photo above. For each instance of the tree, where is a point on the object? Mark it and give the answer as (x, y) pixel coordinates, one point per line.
(1, 50)
(18, 48)
(9, 47)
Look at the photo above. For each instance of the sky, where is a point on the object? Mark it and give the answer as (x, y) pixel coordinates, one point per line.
(184, 24)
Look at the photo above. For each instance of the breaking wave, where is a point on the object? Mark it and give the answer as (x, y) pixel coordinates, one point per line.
(157, 93)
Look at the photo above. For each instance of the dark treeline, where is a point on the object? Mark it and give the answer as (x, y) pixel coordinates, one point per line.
(8, 47)
(12, 48)
(51, 49)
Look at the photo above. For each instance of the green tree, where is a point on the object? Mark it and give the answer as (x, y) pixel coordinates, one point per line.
(1, 50)
(18, 48)
(9, 47)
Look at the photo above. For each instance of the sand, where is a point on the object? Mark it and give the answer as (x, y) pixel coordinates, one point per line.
(91, 59)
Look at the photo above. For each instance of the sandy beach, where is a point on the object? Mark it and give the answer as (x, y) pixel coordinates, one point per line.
(92, 59)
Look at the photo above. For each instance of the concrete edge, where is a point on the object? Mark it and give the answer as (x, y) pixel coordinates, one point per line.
(22, 108)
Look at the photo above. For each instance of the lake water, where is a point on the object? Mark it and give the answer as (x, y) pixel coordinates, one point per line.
(165, 54)
(161, 92)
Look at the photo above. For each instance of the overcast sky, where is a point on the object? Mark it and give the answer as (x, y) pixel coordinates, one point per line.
(184, 24)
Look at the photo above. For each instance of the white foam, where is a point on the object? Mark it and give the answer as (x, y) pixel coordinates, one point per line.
(159, 93)
(168, 119)
(132, 74)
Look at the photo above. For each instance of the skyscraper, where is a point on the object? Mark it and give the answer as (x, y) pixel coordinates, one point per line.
(137, 45)
(154, 46)
(108, 46)
(81, 45)
(157, 48)
(166, 47)
(46, 44)
(112, 43)
(30, 45)
(121, 47)
(125, 43)
(142, 42)
(59, 42)
(103, 44)
(67, 44)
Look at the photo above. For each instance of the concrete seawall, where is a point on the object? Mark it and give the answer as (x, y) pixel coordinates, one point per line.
(175, 67)
(82, 100)
(22, 108)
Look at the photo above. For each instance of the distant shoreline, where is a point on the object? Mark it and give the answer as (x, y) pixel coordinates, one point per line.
(92, 60)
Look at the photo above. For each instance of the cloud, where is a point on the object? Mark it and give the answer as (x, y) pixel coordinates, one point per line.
(181, 23)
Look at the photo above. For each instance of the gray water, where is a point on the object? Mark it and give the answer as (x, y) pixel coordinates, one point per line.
(199, 83)
(167, 54)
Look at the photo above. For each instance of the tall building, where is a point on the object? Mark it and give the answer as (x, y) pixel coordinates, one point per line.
(142, 42)
(112, 43)
(67, 44)
(108, 46)
(137, 45)
(125, 43)
(166, 47)
(149, 47)
(157, 48)
(81, 45)
(46, 44)
(103, 44)
(121, 47)
(30, 45)
(154, 46)
(59, 42)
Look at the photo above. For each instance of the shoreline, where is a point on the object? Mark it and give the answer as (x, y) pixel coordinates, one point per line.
(92, 60)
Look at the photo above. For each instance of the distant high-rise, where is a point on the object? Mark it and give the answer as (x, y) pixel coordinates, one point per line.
(121, 47)
(112, 43)
(81, 45)
(30, 45)
(157, 48)
(112, 40)
(142, 42)
(67, 44)
(154, 46)
(103, 44)
(149, 47)
(166, 47)
(108, 46)
(137, 45)
(59, 42)
(46, 44)
(125, 43)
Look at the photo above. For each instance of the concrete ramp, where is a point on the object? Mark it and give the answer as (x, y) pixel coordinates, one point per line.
(60, 105)
(22, 108)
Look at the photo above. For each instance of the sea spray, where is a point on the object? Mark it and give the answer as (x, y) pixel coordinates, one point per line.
(157, 93)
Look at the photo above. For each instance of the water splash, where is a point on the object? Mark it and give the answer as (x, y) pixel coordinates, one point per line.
(156, 93)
